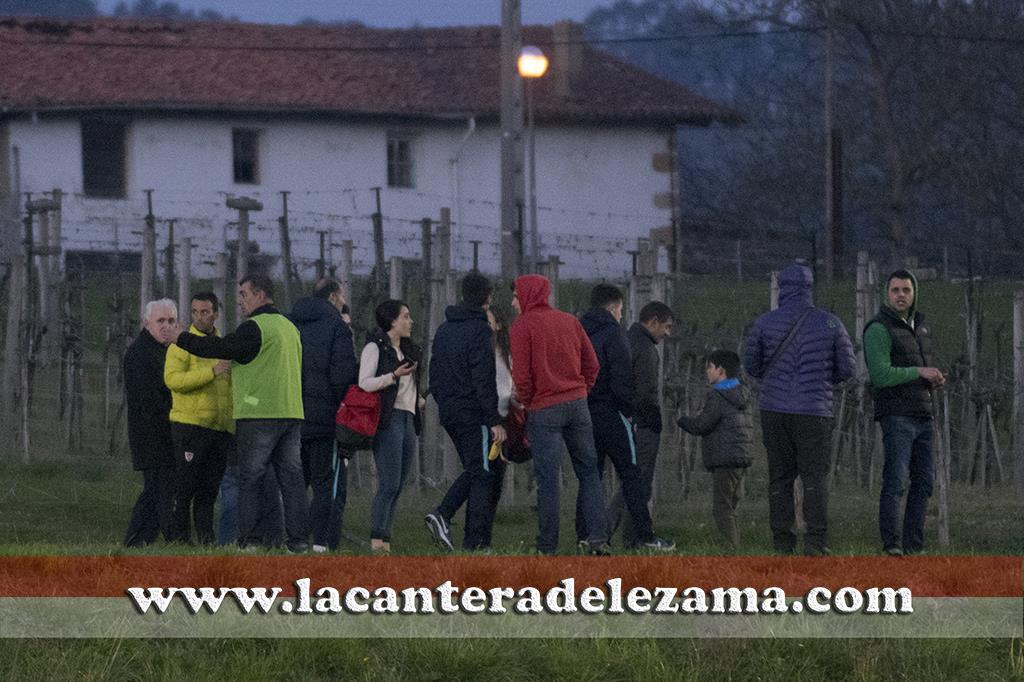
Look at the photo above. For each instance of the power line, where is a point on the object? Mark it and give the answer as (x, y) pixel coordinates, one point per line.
(441, 47)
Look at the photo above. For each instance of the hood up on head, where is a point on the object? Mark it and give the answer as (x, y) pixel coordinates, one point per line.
(796, 285)
(913, 306)
(533, 292)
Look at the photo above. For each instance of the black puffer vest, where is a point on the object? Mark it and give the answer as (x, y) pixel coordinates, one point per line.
(387, 364)
(911, 347)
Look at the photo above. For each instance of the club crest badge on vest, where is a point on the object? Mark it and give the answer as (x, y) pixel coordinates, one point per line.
(189, 456)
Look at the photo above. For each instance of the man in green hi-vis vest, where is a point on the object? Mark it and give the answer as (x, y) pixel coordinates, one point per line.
(266, 391)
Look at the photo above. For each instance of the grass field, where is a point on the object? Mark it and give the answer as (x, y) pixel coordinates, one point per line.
(82, 508)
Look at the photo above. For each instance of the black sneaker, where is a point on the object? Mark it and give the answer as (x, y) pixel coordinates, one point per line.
(297, 547)
(817, 551)
(659, 544)
(892, 551)
(438, 529)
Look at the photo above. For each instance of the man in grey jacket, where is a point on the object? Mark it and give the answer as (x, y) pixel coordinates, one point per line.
(655, 325)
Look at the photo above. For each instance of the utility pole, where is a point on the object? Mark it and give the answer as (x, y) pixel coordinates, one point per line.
(512, 183)
(827, 101)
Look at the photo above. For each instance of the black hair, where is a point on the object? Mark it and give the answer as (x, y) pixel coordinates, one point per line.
(898, 274)
(345, 310)
(326, 287)
(209, 297)
(604, 294)
(259, 282)
(656, 310)
(387, 312)
(476, 289)
(502, 338)
(727, 360)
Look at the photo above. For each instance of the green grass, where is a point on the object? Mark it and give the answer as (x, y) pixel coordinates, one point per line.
(602, 660)
(81, 508)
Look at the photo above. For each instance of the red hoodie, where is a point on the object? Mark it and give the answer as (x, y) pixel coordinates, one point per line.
(552, 359)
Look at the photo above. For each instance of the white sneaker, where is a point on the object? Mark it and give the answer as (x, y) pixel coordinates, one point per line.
(319, 549)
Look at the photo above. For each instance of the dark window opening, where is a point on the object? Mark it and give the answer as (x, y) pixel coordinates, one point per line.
(400, 161)
(246, 152)
(103, 162)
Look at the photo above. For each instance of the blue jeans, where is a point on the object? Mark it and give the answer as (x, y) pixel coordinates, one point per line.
(908, 453)
(394, 448)
(547, 429)
(265, 443)
(271, 523)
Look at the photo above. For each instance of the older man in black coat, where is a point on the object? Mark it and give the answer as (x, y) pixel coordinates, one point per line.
(148, 403)
(328, 369)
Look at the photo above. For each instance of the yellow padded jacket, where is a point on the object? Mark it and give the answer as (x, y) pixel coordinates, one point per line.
(198, 396)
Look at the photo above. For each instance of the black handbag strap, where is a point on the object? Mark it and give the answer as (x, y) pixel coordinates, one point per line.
(786, 341)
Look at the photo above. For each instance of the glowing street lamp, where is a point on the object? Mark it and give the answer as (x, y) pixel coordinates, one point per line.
(532, 65)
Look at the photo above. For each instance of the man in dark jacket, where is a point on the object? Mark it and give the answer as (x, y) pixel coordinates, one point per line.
(266, 391)
(727, 426)
(897, 350)
(654, 326)
(148, 405)
(463, 382)
(798, 352)
(611, 406)
(553, 368)
(328, 369)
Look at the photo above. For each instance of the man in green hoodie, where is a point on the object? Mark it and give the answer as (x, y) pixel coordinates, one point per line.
(897, 350)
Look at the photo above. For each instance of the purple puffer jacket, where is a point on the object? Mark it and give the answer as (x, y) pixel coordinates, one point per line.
(819, 356)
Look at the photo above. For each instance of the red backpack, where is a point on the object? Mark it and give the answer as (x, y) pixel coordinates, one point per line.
(357, 419)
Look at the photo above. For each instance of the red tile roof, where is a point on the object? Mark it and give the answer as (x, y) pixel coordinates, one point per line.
(434, 72)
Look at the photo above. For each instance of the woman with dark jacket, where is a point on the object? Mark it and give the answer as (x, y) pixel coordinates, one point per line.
(388, 365)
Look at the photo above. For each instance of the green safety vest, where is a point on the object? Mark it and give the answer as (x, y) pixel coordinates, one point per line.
(270, 387)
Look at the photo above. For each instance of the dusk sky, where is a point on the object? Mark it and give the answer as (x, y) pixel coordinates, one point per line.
(395, 13)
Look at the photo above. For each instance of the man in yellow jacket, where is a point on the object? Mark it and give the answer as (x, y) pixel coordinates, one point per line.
(201, 425)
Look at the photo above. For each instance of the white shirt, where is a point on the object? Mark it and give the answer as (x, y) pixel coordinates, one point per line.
(504, 380)
(368, 361)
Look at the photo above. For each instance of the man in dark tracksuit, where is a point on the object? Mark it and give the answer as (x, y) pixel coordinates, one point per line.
(463, 382)
(328, 369)
(796, 404)
(897, 350)
(611, 404)
(654, 326)
(148, 403)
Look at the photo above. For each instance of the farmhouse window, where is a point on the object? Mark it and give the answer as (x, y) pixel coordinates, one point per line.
(246, 145)
(103, 162)
(400, 161)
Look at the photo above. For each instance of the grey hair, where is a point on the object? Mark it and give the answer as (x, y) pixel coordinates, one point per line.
(159, 303)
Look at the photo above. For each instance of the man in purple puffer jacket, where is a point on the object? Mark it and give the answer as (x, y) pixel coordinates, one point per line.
(796, 404)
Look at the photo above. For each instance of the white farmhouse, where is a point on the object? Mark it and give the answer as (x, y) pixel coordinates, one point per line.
(198, 112)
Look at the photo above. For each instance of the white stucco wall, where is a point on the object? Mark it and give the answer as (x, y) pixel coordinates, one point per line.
(595, 187)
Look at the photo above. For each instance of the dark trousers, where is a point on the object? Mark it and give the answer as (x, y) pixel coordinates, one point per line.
(270, 527)
(726, 492)
(908, 454)
(548, 428)
(326, 474)
(152, 511)
(394, 454)
(479, 485)
(615, 440)
(200, 456)
(264, 443)
(647, 443)
(797, 445)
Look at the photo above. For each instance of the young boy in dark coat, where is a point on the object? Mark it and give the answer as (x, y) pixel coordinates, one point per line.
(727, 426)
